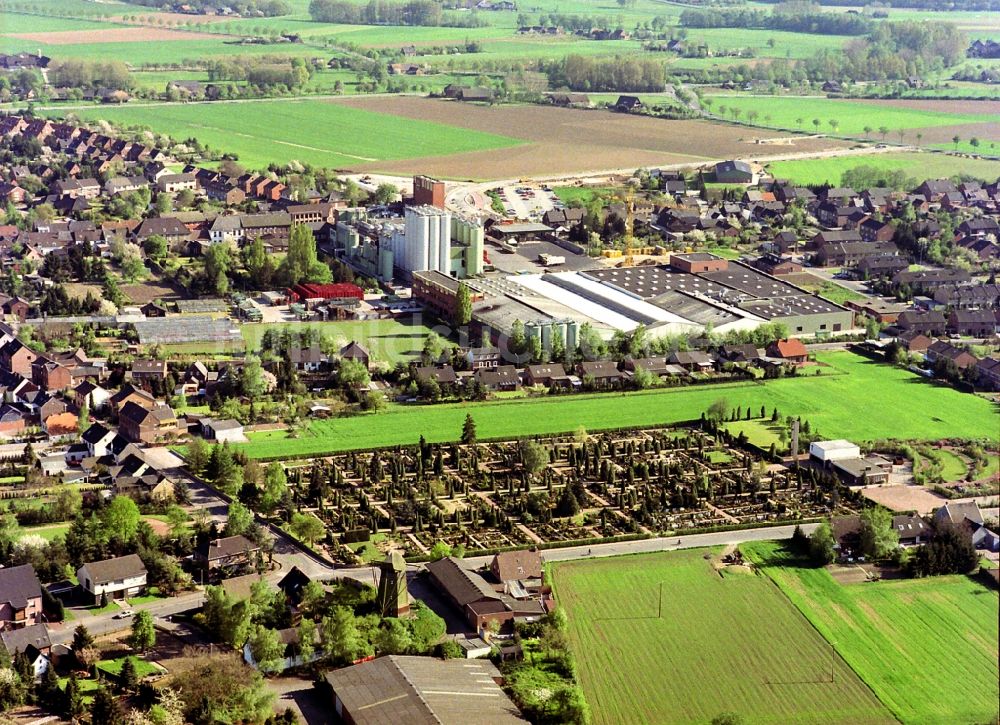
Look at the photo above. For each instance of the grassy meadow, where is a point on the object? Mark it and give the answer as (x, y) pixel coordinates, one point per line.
(926, 647)
(917, 165)
(785, 112)
(729, 642)
(310, 131)
(855, 398)
(390, 341)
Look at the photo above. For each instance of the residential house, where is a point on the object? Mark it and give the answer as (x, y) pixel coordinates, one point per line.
(354, 351)
(517, 565)
(17, 358)
(628, 104)
(227, 554)
(912, 530)
(988, 373)
(482, 357)
(930, 323)
(128, 393)
(974, 323)
(600, 373)
(502, 377)
(873, 230)
(34, 642)
(172, 183)
(443, 375)
(20, 597)
(791, 350)
(98, 440)
(941, 350)
(123, 576)
(693, 361)
(143, 370)
(141, 425)
(548, 375)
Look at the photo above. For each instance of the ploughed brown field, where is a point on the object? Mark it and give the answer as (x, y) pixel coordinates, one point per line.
(988, 130)
(113, 35)
(563, 141)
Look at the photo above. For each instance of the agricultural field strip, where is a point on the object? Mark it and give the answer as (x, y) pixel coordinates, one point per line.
(350, 134)
(732, 633)
(829, 170)
(861, 403)
(894, 633)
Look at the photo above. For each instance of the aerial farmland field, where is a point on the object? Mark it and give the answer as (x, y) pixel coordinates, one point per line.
(829, 170)
(729, 642)
(926, 647)
(328, 134)
(854, 115)
(857, 399)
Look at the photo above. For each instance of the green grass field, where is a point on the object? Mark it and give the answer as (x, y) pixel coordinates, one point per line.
(724, 643)
(313, 131)
(113, 667)
(917, 165)
(391, 340)
(953, 467)
(761, 433)
(860, 402)
(926, 647)
(852, 115)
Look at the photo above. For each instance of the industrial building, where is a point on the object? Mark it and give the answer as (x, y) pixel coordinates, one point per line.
(723, 297)
(425, 239)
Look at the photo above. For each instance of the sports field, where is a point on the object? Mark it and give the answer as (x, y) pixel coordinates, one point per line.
(310, 131)
(926, 647)
(917, 165)
(724, 643)
(857, 399)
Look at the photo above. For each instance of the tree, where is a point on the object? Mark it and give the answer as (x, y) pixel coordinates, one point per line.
(306, 527)
(223, 688)
(218, 260)
(883, 131)
(352, 374)
(718, 410)
(868, 131)
(121, 518)
(300, 263)
(817, 123)
(156, 247)
(128, 679)
(956, 139)
(821, 545)
(275, 487)
(239, 520)
(879, 537)
(266, 648)
(81, 638)
(385, 193)
(533, 456)
(143, 635)
(73, 705)
(463, 305)
(197, 455)
(393, 638)
(252, 382)
(83, 418)
(339, 635)
(950, 551)
(469, 429)
(440, 550)
(104, 709)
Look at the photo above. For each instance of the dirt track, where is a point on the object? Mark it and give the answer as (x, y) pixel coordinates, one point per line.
(574, 141)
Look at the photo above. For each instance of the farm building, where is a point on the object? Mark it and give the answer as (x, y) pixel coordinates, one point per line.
(733, 172)
(421, 691)
(336, 291)
(836, 450)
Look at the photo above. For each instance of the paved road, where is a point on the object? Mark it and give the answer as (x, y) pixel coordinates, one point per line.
(100, 624)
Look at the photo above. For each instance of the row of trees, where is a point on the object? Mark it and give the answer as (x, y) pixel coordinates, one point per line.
(267, 8)
(797, 22)
(387, 12)
(262, 71)
(585, 73)
(77, 73)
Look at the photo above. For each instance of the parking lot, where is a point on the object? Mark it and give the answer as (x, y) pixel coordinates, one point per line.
(527, 202)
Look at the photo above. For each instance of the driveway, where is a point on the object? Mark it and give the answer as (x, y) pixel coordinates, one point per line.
(304, 700)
